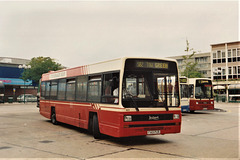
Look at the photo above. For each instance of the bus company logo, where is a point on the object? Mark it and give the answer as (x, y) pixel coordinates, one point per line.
(57, 75)
(153, 118)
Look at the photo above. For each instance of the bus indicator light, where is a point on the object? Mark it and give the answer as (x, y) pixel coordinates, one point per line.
(175, 116)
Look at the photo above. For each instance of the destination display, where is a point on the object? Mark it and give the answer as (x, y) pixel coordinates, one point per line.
(183, 80)
(203, 81)
(154, 65)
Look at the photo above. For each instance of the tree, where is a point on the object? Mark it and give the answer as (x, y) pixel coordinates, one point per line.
(191, 70)
(40, 65)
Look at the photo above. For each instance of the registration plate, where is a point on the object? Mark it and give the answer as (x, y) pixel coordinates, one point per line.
(154, 132)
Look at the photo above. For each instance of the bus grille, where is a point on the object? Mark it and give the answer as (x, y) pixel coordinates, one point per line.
(152, 125)
(152, 117)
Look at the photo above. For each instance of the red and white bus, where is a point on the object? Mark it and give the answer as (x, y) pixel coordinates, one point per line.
(196, 94)
(121, 97)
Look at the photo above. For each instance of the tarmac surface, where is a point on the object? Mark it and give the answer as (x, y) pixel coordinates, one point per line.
(24, 133)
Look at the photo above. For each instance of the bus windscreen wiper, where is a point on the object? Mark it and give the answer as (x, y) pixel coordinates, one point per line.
(128, 94)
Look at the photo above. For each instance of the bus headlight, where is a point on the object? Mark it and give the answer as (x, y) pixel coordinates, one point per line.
(196, 102)
(127, 118)
(211, 102)
(176, 116)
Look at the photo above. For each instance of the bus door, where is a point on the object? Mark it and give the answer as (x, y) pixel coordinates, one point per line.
(167, 89)
(184, 88)
(44, 97)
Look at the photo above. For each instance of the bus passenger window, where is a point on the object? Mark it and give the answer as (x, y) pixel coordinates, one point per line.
(53, 94)
(94, 89)
(47, 93)
(70, 95)
(81, 94)
(61, 89)
(43, 88)
(110, 88)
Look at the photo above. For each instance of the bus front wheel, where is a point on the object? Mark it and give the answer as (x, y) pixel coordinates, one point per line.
(95, 130)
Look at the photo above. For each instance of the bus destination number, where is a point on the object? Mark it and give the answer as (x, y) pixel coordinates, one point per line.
(155, 65)
(203, 81)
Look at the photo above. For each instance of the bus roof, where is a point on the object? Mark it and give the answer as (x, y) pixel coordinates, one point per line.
(105, 66)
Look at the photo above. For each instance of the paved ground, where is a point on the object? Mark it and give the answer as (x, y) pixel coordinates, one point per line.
(24, 133)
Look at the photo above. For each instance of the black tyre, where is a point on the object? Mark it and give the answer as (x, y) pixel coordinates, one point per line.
(96, 131)
(53, 117)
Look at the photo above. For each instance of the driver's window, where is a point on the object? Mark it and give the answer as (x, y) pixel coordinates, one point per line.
(209, 92)
(198, 92)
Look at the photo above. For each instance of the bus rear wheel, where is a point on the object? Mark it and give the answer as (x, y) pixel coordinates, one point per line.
(95, 129)
(53, 117)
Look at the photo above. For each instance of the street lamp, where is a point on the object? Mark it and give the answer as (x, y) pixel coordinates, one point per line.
(24, 67)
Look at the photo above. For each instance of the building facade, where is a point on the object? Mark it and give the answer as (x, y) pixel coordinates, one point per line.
(226, 69)
(203, 60)
(10, 76)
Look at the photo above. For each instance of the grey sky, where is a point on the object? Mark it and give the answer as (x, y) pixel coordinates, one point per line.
(79, 33)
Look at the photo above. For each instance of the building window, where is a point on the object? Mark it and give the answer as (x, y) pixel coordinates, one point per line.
(219, 57)
(229, 70)
(230, 73)
(214, 57)
(229, 55)
(238, 54)
(234, 69)
(223, 54)
(218, 54)
(234, 54)
(223, 57)
(223, 71)
(238, 71)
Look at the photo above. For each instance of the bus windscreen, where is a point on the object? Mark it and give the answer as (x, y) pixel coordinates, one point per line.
(203, 89)
(150, 83)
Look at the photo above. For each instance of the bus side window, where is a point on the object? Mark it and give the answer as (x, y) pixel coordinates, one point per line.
(47, 92)
(53, 94)
(61, 89)
(94, 89)
(70, 92)
(110, 88)
(43, 88)
(81, 94)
